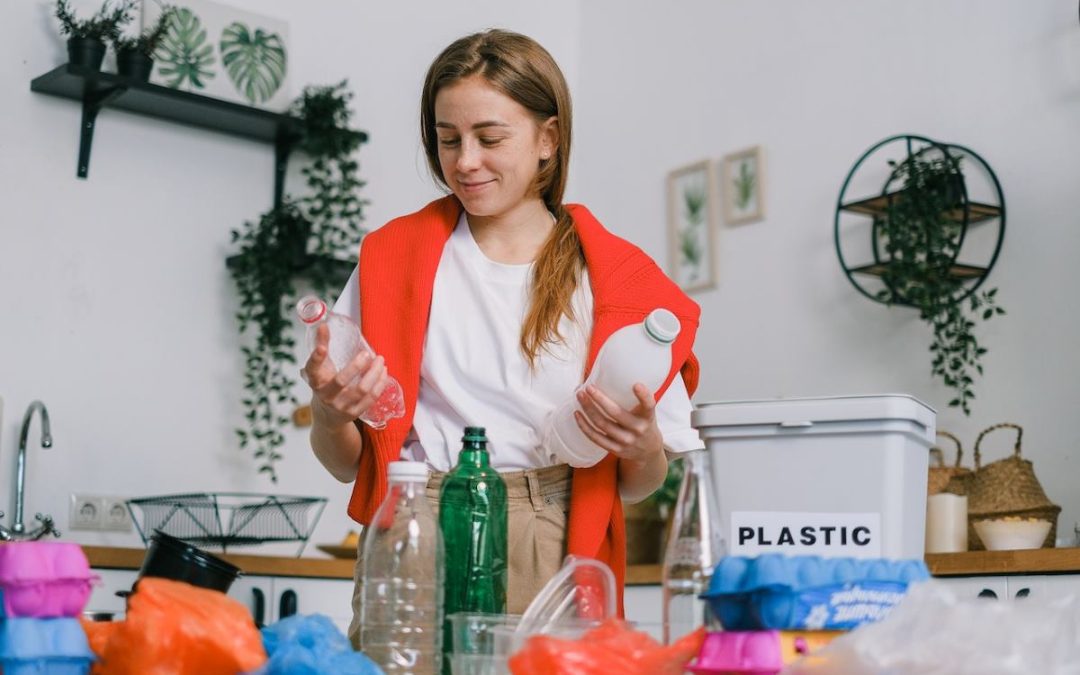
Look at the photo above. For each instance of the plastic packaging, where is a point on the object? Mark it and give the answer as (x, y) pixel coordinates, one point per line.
(401, 617)
(639, 352)
(54, 646)
(774, 591)
(311, 645)
(44, 579)
(695, 545)
(174, 628)
(932, 631)
(612, 647)
(171, 558)
(346, 342)
(760, 652)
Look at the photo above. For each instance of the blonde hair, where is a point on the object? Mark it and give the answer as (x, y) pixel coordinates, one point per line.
(521, 69)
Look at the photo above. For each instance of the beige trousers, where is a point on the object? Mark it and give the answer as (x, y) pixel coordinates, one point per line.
(538, 506)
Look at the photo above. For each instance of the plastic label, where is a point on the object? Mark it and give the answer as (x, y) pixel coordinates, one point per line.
(854, 535)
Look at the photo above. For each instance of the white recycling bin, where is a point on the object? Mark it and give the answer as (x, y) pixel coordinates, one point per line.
(840, 476)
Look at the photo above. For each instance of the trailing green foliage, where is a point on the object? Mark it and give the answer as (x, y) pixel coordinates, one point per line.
(148, 40)
(921, 233)
(299, 238)
(105, 24)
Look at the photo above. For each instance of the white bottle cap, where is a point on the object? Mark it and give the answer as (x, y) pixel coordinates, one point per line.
(404, 471)
(662, 325)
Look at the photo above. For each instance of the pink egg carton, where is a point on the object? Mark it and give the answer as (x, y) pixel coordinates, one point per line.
(759, 652)
(44, 579)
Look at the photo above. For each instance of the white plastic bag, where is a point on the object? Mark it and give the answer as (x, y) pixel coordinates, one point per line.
(932, 632)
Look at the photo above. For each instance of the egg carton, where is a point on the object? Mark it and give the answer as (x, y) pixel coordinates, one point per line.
(43, 579)
(777, 592)
(38, 646)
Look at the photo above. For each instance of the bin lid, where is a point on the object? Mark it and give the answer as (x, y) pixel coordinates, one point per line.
(793, 412)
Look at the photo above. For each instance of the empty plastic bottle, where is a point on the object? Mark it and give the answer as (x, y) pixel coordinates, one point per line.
(695, 545)
(401, 615)
(472, 517)
(640, 352)
(346, 342)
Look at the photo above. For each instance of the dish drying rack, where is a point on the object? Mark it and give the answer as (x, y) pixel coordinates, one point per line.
(228, 518)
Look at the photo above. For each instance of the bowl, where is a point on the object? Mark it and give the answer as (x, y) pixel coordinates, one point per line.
(1012, 533)
(171, 558)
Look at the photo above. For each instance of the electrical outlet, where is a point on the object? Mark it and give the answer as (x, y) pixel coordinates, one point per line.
(85, 512)
(115, 515)
(97, 512)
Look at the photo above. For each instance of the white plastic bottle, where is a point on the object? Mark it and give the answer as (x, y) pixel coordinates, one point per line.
(401, 623)
(346, 342)
(640, 352)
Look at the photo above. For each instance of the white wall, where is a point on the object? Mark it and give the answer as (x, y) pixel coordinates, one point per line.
(816, 84)
(117, 307)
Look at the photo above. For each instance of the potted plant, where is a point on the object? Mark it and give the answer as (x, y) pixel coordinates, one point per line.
(921, 234)
(86, 37)
(304, 237)
(647, 521)
(135, 55)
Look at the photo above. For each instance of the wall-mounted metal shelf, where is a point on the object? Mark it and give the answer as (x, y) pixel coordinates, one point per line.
(873, 211)
(97, 90)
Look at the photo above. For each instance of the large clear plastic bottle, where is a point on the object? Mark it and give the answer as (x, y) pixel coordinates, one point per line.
(640, 352)
(401, 614)
(695, 545)
(345, 342)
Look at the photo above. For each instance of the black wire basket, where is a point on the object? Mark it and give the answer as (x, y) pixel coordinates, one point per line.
(228, 518)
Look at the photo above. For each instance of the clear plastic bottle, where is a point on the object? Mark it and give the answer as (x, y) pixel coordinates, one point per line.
(401, 615)
(345, 342)
(640, 352)
(695, 545)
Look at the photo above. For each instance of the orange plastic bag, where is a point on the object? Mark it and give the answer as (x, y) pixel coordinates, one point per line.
(611, 647)
(173, 628)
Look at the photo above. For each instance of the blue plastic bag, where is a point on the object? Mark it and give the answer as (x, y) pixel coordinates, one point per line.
(311, 645)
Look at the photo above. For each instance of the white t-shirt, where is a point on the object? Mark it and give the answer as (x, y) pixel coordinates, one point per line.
(473, 372)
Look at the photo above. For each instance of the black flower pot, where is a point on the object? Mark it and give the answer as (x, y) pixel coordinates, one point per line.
(86, 52)
(134, 64)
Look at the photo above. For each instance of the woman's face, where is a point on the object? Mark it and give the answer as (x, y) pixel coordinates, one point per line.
(490, 147)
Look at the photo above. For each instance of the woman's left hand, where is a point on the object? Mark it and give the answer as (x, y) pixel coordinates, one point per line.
(628, 434)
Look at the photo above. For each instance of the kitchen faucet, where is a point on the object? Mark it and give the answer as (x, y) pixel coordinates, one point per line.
(18, 529)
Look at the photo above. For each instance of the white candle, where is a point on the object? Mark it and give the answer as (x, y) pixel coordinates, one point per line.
(946, 523)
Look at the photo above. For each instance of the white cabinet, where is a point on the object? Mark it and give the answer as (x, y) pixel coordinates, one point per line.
(103, 597)
(271, 599)
(1015, 587)
(644, 607)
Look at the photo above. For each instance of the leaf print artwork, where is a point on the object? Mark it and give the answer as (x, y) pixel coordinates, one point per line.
(255, 62)
(185, 57)
(744, 185)
(690, 244)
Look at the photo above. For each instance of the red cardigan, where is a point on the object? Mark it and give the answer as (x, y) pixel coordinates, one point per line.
(397, 275)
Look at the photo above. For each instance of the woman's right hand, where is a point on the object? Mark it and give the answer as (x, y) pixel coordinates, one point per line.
(341, 397)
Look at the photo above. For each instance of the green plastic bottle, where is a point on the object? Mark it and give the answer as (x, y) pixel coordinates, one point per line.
(472, 517)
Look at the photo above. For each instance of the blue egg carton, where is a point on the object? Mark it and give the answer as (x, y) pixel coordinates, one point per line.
(44, 646)
(778, 592)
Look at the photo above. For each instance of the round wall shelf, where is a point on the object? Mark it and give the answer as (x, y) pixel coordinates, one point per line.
(875, 186)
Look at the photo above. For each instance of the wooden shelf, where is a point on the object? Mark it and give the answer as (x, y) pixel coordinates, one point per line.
(957, 271)
(878, 207)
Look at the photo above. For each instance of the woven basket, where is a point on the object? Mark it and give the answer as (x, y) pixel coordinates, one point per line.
(955, 479)
(1007, 487)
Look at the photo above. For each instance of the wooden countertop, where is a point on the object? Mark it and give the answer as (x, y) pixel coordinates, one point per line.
(971, 563)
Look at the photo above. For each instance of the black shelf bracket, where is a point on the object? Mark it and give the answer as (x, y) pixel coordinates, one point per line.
(92, 103)
(97, 90)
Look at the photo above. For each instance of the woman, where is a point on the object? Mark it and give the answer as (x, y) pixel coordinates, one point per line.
(489, 306)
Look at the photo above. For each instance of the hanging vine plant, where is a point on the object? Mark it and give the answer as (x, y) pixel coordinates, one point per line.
(307, 238)
(921, 235)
